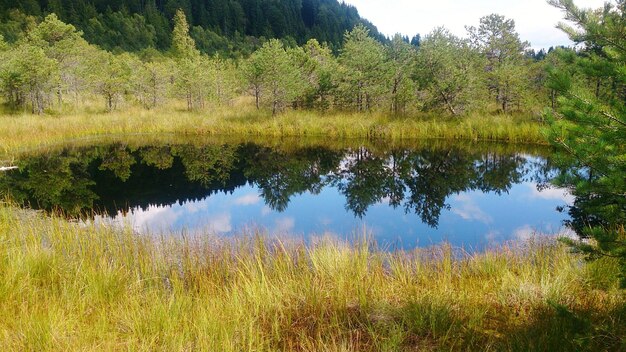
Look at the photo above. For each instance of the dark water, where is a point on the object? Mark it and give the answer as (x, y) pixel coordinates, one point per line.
(471, 195)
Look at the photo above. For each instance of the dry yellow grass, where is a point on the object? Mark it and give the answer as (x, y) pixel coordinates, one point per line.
(71, 286)
(25, 130)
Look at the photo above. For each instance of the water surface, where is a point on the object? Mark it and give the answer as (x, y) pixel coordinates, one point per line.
(405, 195)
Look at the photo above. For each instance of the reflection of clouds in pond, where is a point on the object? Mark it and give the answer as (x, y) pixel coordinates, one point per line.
(152, 218)
(266, 211)
(219, 223)
(284, 225)
(551, 193)
(527, 232)
(524, 233)
(493, 235)
(325, 221)
(248, 199)
(469, 210)
(195, 207)
(190, 215)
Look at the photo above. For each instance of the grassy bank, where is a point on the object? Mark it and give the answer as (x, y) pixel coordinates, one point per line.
(23, 130)
(68, 286)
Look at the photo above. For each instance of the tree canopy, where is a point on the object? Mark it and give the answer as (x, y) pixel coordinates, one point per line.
(133, 25)
(589, 127)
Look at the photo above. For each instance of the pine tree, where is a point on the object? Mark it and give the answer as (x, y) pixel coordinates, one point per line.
(448, 73)
(183, 46)
(589, 128)
(401, 57)
(279, 81)
(364, 70)
(504, 51)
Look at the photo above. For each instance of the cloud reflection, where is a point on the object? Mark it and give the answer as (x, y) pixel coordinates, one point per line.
(248, 199)
(551, 193)
(469, 210)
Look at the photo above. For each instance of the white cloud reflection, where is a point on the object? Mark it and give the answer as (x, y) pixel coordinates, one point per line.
(469, 210)
(551, 193)
(285, 225)
(248, 199)
(524, 233)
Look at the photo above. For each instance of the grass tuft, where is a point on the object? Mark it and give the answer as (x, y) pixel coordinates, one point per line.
(29, 131)
(75, 286)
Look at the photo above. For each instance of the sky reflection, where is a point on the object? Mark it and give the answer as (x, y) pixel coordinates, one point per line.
(474, 219)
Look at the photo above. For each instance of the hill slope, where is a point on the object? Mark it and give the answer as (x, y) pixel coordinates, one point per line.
(132, 25)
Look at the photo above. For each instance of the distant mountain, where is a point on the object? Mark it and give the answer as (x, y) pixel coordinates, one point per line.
(132, 25)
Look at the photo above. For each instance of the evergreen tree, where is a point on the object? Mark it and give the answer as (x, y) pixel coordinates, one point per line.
(111, 77)
(183, 46)
(363, 70)
(280, 80)
(191, 78)
(64, 44)
(134, 25)
(507, 78)
(319, 68)
(29, 77)
(448, 72)
(590, 130)
(401, 57)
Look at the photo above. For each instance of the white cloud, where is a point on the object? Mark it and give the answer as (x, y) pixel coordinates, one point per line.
(524, 233)
(469, 210)
(285, 225)
(266, 211)
(325, 221)
(249, 199)
(153, 218)
(493, 235)
(220, 223)
(551, 193)
(196, 206)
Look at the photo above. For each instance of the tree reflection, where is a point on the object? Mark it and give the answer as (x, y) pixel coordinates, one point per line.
(118, 177)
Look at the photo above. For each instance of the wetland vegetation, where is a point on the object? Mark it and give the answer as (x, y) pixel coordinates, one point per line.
(114, 115)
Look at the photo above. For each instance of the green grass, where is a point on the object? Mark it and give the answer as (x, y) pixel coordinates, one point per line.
(74, 286)
(25, 131)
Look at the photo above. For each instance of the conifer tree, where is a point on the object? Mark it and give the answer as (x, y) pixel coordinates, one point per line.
(589, 128)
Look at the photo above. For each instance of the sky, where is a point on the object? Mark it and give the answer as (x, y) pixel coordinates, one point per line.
(535, 20)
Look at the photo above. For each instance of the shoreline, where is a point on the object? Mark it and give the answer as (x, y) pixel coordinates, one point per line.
(18, 132)
(66, 286)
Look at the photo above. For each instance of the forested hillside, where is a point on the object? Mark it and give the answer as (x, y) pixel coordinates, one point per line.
(52, 66)
(216, 25)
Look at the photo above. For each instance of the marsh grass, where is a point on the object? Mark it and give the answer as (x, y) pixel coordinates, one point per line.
(75, 286)
(25, 130)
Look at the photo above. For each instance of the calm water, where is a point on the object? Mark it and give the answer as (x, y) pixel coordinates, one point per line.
(471, 195)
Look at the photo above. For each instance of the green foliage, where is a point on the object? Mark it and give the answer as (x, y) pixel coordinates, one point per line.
(508, 74)
(120, 31)
(589, 127)
(363, 71)
(445, 75)
(401, 57)
(150, 82)
(29, 77)
(131, 25)
(448, 73)
(278, 79)
(183, 46)
(111, 77)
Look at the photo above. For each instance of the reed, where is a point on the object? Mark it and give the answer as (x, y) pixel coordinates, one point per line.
(27, 131)
(80, 286)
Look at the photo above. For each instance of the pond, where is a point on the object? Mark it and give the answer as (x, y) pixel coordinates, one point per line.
(405, 194)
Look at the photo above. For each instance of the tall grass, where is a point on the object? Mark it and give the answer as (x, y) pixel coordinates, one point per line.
(24, 130)
(75, 286)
